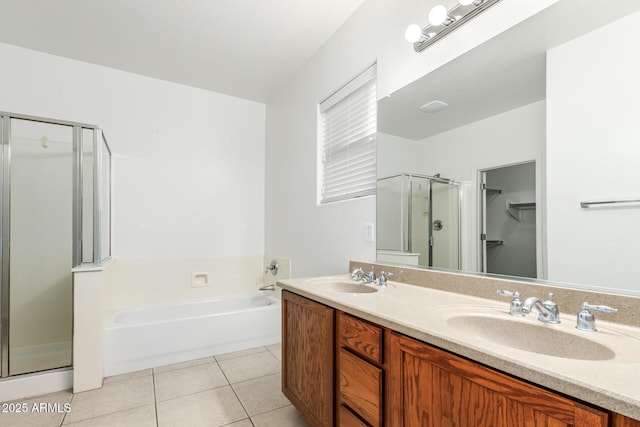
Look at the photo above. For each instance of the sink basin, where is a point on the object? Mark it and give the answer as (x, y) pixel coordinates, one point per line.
(348, 287)
(340, 284)
(522, 335)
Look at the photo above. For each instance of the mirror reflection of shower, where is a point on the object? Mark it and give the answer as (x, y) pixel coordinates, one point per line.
(55, 215)
(418, 219)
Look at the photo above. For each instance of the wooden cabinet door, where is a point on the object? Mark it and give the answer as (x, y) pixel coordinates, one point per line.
(307, 357)
(433, 388)
(622, 421)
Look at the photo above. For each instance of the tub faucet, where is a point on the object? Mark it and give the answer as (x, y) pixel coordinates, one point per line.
(267, 288)
(548, 309)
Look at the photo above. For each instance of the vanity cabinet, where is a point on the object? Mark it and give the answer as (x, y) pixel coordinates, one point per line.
(431, 387)
(308, 330)
(381, 377)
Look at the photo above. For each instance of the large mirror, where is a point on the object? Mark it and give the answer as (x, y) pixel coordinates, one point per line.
(519, 133)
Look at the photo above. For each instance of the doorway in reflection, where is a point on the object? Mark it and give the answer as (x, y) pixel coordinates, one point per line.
(508, 216)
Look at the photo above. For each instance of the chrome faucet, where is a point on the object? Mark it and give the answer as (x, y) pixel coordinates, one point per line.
(359, 275)
(267, 288)
(548, 310)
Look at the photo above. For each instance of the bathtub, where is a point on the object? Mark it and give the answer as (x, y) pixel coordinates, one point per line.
(146, 337)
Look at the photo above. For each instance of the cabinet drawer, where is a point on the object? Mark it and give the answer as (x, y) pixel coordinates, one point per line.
(346, 418)
(360, 337)
(360, 387)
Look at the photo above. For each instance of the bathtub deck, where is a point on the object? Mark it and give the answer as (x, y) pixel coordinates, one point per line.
(239, 389)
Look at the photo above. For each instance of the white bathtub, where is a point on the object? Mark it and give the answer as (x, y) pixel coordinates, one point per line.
(141, 338)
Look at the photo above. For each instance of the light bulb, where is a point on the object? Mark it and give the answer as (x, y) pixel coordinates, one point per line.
(437, 15)
(413, 33)
(465, 2)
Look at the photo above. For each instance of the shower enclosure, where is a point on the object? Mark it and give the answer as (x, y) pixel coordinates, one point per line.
(55, 215)
(418, 219)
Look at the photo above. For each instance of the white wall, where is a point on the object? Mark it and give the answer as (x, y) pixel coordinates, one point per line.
(593, 154)
(511, 137)
(396, 155)
(188, 177)
(321, 239)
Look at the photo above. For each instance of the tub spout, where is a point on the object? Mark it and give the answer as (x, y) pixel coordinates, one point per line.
(268, 288)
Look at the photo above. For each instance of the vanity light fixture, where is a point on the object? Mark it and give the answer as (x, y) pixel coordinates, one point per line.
(443, 21)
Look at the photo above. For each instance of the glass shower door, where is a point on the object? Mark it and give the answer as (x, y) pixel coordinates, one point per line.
(420, 196)
(40, 246)
(445, 223)
(390, 212)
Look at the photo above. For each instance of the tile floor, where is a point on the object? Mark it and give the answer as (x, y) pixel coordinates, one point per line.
(239, 389)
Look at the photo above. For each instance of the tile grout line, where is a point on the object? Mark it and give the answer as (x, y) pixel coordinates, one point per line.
(235, 394)
(155, 400)
(256, 378)
(226, 359)
(103, 415)
(70, 406)
(181, 369)
(273, 410)
(113, 412)
(214, 360)
(188, 394)
(191, 394)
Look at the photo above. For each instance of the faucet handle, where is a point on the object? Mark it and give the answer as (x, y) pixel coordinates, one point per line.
(602, 308)
(382, 280)
(371, 277)
(586, 321)
(508, 293)
(516, 304)
(551, 305)
(272, 267)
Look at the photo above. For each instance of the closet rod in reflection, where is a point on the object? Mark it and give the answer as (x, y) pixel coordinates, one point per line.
(607, 202)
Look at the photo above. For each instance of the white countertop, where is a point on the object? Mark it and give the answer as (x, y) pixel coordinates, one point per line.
(423, 313)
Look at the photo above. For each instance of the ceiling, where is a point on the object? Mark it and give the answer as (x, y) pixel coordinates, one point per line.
(243, 48)
(504, 73)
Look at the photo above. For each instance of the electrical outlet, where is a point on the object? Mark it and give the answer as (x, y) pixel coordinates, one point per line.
(369, 232)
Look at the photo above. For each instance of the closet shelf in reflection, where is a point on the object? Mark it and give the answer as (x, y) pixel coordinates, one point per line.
(528, 205)
(515, 208)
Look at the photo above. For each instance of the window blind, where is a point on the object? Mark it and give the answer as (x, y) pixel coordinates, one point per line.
(348, 140)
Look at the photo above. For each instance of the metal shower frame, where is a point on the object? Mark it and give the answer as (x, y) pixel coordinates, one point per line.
(5, 193)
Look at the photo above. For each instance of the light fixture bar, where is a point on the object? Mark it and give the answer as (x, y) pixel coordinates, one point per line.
(466, 14)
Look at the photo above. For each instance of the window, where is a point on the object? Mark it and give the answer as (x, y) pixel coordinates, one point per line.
(347, 140)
